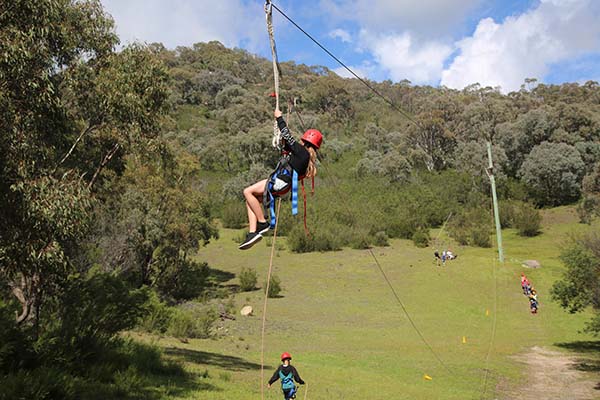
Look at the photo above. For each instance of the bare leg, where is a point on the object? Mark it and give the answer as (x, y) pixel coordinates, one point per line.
(255, 212)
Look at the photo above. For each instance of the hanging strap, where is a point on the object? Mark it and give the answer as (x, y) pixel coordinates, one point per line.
(294, 192)
(304, 199)
(276, 142)
(272, 210)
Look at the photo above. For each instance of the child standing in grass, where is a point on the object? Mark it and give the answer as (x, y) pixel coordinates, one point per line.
(288, 374)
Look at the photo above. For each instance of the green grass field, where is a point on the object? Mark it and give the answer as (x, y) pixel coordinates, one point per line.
(350, 338)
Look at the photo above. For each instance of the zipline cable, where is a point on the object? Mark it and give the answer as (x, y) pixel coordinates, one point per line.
(264, 316)
(367, 84)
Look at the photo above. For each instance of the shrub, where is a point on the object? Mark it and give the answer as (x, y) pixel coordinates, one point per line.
(588, 207)
(527, 220)
(248, 279)
(130, 383)
(471, 227)
(234, 215)
(91, 314)
(184, 279)
(461, 235)
(157, 315)
(181, 325)
(16, 349)
(205, 320)
(480, 236)
(274, 286)
(506, 209)
(360, 242)
(323, 239)
(421, 238)
(44, 383)
(381, 239)
(191, 324)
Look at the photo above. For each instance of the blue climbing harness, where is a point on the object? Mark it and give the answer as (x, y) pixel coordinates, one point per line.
(283, 172)
(288, 386)
(287, 381)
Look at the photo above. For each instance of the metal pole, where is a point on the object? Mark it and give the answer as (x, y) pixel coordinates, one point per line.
(490, 172)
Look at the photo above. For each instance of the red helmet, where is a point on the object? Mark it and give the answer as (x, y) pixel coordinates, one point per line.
(313, 137)
(286, 356)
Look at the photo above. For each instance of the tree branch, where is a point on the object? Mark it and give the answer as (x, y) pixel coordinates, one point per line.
(105, 161)
(87, 130)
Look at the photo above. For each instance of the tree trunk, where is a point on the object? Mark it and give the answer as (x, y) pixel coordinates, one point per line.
(27, 292)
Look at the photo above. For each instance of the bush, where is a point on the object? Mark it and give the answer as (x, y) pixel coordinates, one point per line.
(204, 324)
(588, 208)
(471, 227)
(234, 215)
(16, 349)
(193, 324)
(182, 325)
(248, 279)
(421, 238)
(480, 236)
(527, 220)
(184, 279)
(274, 287)
(130, 383)
(507, 209)
(323, 239)
(381, 239)
(360, 242)
(92, 313)
(157, 315)
(44, 383)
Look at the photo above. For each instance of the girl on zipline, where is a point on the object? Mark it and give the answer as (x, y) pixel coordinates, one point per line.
(298, 157)
(288, 374)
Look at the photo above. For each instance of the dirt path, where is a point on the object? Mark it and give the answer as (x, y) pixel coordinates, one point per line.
(554, 376)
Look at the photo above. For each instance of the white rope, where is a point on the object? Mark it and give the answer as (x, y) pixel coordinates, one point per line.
(276, 142)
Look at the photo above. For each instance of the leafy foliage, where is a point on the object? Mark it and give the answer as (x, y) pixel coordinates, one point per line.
(248, 279)
(274, 287)
(554, 172)
(578, 289)
(527, 220)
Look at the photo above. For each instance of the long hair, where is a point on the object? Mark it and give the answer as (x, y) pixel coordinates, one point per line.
(311, 171)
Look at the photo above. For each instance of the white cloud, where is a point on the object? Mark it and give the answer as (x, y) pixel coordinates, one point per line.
(364, 71)
(427, 18)
(504, 54)
(341, 34)
(404, 58)
(184, 22)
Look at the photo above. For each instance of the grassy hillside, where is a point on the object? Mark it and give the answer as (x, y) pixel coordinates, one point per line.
(349, 337)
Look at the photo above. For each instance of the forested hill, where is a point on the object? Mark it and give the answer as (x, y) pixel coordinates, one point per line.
(546, 137)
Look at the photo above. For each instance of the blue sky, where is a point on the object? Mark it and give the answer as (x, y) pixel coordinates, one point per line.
(437, 42)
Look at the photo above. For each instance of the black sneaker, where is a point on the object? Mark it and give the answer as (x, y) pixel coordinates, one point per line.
(251, 239)
(263, 227)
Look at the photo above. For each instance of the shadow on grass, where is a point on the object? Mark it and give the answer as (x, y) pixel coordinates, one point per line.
(218, 360)
(582, 346)
(588, 359)
(130, 370)
(219, 276)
